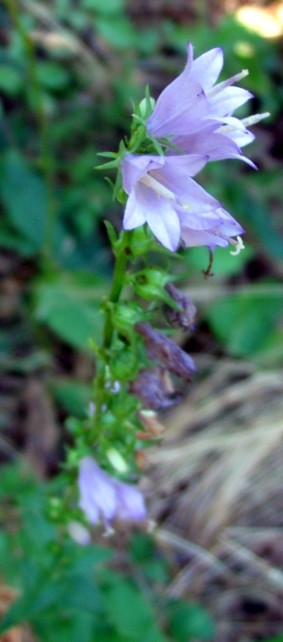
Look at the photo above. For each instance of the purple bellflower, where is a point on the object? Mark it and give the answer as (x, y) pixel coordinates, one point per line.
(196, 114)
(105, 499)
(163, 194)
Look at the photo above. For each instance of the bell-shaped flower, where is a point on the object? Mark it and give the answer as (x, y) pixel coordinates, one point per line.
(105, 499)
(163, 194)
(196, 114)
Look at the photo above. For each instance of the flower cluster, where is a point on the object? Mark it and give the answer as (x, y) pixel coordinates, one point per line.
(193, 120)
(172, 140)
(105, 499)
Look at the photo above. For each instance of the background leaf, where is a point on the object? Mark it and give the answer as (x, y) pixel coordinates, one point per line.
(24, 196)
(69, 307)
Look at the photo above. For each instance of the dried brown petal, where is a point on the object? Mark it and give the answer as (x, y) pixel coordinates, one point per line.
(186, 317)
(154, 390)
(150, 421)
(164, 350)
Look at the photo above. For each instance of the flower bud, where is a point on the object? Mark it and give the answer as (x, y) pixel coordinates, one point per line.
(146, 106)
(141, 241)
(105, 499)
(125, 316)
(124, 364)
(150, 284)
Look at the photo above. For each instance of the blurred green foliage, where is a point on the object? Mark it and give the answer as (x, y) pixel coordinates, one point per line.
(69, 72)
(89, 592)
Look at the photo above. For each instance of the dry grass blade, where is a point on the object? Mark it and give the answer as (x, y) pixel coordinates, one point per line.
(217, 483)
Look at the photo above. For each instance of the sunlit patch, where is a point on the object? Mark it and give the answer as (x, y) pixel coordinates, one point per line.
(244, 49)
(266, 21)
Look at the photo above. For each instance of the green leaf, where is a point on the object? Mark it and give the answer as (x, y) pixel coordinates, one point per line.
(53, 626)
(118, 32)
(188, 621)
(52, 76)
(42, 596)
(24, 196)
(11, 79)
(74, 396)
(11, 240)
(129, 611)
(111, 6)
(67, 305)
(245, 321)
(271, 352)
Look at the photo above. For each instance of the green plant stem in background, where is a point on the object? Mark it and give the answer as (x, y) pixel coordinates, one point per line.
(46, 154)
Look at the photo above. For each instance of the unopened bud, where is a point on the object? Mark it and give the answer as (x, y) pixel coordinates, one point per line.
(146, 106)
(124, 364)
(125, 316)
(150, 284)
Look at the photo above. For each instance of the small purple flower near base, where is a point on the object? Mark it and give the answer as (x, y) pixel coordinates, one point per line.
(105, 499)
(163, 194)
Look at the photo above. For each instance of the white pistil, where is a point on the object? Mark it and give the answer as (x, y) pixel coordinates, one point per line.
(239, 245)
(163, 191)
(158, 187)
(227, 83)
(256, 118)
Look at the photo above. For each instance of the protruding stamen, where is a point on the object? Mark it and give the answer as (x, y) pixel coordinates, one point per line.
(239, 245)
(158, 187)
(256, 118)
(227, 83)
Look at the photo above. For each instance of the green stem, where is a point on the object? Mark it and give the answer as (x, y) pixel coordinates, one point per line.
(46, 156)
(122, 256)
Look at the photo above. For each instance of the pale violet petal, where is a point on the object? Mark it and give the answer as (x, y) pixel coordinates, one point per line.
(97, 495)
(130, 503)
(178, 109)
(214, 145)
(226, 101)
(220, 234)
(234, 129)
(207, 67)
(146, 205)
(187, 191)
(182, 165)
(198, 221)
(134, 215)
(135, 166)
(163, 221)
(193, 238)
(207, 222)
